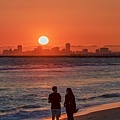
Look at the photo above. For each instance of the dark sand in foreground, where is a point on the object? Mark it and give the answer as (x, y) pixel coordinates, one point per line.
(103, 112)
(111, 114)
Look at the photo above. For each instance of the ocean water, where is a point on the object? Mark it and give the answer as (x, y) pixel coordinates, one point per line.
(25, 83)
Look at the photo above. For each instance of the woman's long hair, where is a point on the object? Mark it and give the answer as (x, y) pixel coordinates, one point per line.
(70, 91)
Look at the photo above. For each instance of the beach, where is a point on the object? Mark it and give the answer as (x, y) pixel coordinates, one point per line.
(103, 112)
(111, 114)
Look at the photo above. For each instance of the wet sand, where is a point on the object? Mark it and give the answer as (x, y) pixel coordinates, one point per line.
(103, 112)
(111, 114)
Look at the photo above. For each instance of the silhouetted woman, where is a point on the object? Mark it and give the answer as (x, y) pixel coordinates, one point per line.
(70, 104)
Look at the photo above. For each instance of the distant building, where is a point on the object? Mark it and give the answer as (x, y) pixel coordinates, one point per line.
(97, 50)
(67, 47)
(103, 51)
(7, 52)
(19, 48)
(55, 51)
(46, 52)
(85, 50)
(37, 51)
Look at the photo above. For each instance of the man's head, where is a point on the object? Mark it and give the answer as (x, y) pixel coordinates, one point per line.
(54, 89)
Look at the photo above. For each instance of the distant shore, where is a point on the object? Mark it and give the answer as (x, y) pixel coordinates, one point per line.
(75, 56)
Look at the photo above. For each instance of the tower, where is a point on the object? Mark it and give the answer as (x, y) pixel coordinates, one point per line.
(68, 47)
(19, 48)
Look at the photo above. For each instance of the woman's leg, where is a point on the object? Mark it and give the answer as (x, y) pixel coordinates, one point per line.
(72, 118)
(69, 115)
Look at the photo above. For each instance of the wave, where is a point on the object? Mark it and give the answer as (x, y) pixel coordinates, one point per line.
(29, 67)
(22, 114)
(4, 89)
(30, 95)
(30, 106)
(101, 96)
(110, 95)
(87, 105)
(8, 110)
(114, 63)
(25, 107)
(25, 112)
(53, 65)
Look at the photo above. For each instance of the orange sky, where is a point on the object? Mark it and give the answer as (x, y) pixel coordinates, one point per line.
(80, 22)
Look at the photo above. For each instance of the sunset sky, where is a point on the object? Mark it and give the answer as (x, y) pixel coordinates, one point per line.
(80, 22)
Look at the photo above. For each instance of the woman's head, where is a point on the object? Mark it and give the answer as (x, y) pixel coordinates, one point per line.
(69, 91)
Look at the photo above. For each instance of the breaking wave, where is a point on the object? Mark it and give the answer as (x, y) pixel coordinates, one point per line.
(102, 96)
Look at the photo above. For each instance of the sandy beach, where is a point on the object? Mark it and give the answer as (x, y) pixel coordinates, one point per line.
(103, 112)
(111, 114)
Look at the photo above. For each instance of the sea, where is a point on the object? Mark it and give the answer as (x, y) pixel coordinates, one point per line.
(26, 82)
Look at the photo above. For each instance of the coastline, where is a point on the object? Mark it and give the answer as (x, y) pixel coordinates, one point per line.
(109, 111)
(59, 56)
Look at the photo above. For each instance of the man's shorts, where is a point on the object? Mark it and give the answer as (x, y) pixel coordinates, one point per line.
(56, 112)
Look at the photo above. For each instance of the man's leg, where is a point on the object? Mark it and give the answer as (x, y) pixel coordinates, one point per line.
(53, 114)
(58, 113)
(53, 118)
(57, 118)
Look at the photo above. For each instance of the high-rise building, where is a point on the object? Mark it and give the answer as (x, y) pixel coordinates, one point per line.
(68, 47)
(19, 48)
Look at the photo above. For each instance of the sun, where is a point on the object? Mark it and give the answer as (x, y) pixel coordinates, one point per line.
(43, 40)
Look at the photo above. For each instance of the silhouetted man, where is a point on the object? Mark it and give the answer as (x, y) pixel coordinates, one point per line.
(55, 99)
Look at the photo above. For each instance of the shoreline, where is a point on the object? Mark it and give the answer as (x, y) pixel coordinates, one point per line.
(110, 111)
(60, 56)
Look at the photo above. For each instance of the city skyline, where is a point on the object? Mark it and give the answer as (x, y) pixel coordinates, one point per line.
(56, 51)
(92, 48)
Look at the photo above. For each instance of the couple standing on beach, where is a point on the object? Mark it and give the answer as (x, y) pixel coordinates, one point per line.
(69, 104)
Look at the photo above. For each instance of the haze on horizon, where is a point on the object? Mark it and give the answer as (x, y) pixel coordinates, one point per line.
(79, 22)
